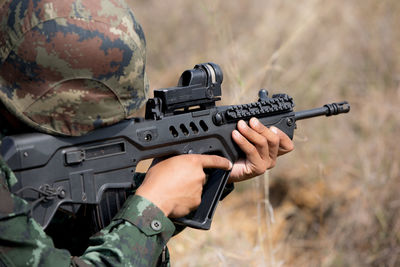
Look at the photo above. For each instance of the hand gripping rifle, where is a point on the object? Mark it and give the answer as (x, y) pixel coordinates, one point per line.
(65, 172)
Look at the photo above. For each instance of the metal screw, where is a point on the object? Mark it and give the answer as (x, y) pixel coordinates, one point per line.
(148, 137)
(218, 120)
(209, 93)
(62, 192)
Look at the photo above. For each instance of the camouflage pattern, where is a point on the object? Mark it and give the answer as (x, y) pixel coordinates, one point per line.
(68, 67)
(136, 237)
(143, 214)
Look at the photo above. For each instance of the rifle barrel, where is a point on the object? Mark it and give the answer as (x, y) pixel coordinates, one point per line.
(327, 110)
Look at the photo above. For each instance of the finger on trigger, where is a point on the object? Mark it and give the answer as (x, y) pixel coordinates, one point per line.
(215, 162)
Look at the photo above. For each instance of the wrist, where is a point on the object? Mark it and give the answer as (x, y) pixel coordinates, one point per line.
(156, 200)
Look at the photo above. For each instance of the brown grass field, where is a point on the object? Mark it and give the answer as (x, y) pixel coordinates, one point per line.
(335, 200)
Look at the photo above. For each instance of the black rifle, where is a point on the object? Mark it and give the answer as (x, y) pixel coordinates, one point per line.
(64, 172)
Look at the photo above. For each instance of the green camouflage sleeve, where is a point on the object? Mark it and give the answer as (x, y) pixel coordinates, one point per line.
(136, 236)
(138, 220)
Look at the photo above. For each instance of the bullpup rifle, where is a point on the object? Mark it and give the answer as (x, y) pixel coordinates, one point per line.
(65, 172)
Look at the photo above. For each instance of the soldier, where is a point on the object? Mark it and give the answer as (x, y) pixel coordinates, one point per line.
(69, 67)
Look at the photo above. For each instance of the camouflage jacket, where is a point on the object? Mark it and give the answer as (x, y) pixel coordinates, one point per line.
(136, 237)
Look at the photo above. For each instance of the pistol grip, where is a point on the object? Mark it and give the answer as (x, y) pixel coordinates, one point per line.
(201, 218)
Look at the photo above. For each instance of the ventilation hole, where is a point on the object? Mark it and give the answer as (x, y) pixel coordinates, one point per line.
(194, 128)
(184, 130)
(203, 126)
(173, 131)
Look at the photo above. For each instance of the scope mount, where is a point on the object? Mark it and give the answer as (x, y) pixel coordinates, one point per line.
(198, 88)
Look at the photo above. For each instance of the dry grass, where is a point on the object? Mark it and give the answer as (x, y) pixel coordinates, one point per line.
(336, 200)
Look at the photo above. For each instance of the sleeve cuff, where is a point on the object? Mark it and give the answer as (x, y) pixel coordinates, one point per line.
(146, 216)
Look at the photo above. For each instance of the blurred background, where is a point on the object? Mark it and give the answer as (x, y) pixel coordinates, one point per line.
(333, 201)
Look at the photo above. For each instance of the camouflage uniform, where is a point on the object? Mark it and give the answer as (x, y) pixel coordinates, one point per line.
(136, 236)
(68, 67)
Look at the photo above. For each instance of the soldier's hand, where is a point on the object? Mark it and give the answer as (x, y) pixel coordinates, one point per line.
(175, 184)
(261, 146)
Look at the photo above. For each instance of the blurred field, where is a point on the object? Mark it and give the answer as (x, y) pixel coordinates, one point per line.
(336, 198)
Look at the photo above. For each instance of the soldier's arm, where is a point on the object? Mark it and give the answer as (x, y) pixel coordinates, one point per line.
(136, 236)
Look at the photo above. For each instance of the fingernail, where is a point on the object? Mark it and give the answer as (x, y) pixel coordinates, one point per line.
(242, 124)
(274, 130)
(255, 121)
(230, 165)
(236, 133)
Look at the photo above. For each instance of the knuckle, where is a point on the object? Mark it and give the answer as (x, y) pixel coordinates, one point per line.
(274, 140)
(252, 150)
(263, 142)
(193, 159)
(197, 201)
(220, 161)
(262, 169)
(186, 210)
(201, 179)
(217, 159)
(261, 128)
(290, 147)
(272, 164)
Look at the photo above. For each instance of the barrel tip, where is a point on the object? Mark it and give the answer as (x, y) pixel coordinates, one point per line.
(344, 107)
(337, 108)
